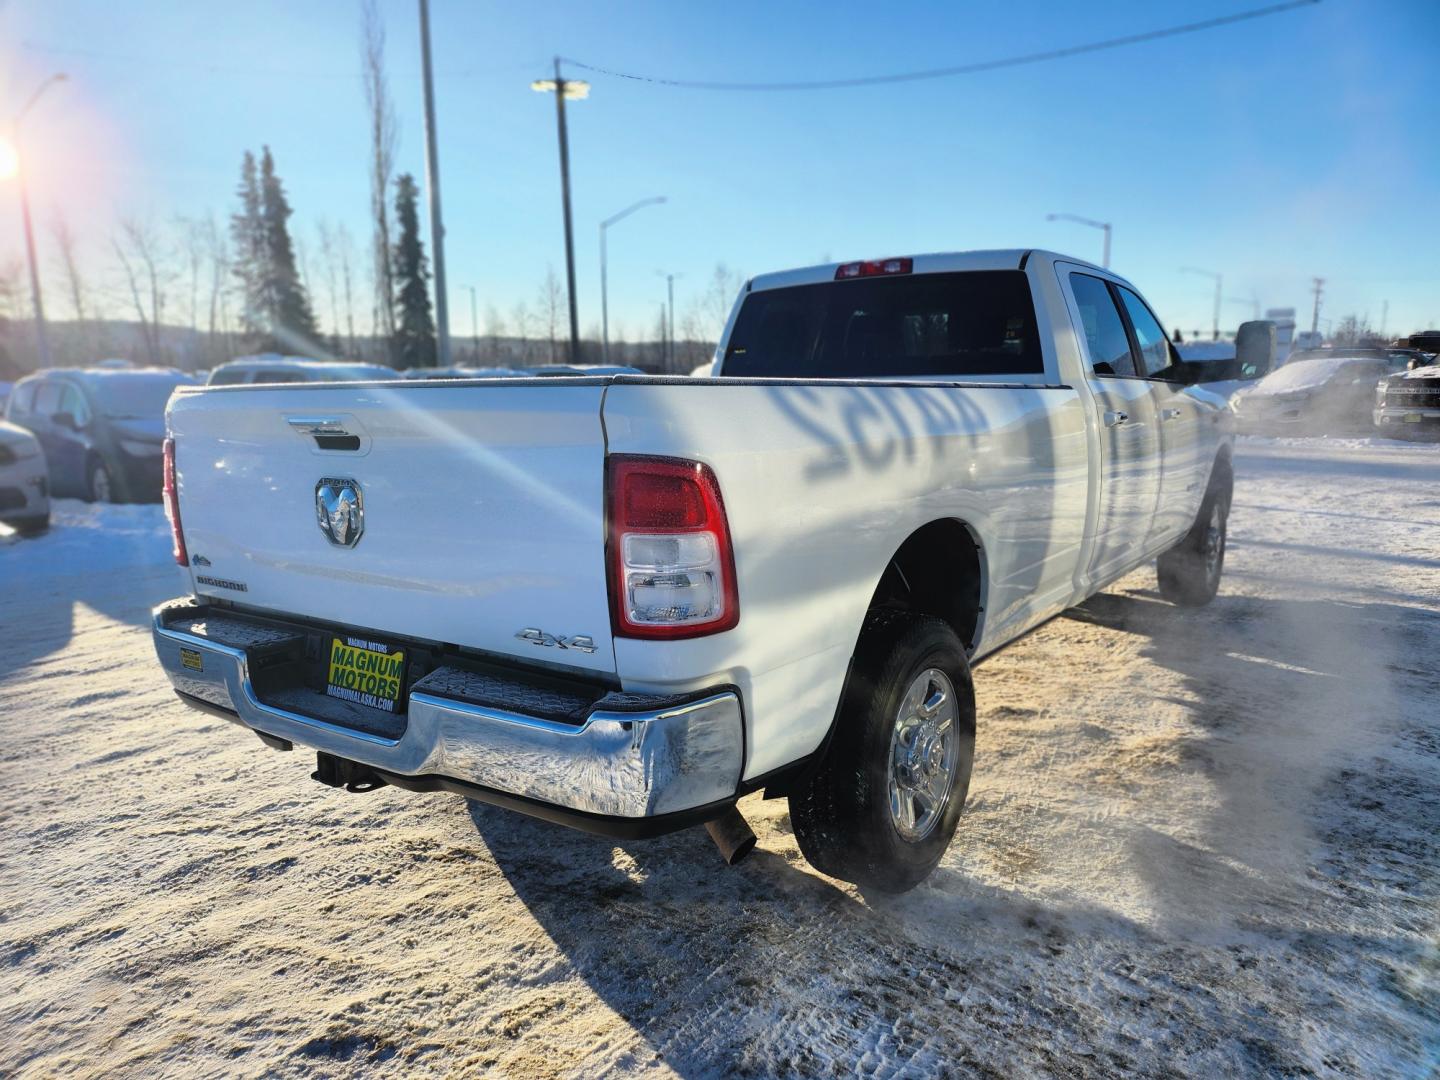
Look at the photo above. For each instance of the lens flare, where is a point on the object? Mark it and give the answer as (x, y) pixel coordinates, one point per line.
(9, 160)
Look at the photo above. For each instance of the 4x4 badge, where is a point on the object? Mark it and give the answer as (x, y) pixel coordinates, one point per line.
(580, 643)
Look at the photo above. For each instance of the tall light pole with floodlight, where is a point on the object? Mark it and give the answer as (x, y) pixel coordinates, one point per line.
(432, 190)
(572, 90)
(42, 340)
(654, 200)
(1104, 225)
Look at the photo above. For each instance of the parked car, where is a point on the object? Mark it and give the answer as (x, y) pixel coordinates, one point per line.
(463, 373)
(624, 602)
(1396, 357)
(274, 368)
(101, 430)
(563, 370)
(24, 484)
(1331, 394)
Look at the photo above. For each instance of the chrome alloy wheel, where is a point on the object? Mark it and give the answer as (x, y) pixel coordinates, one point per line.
(923, 752)
(1214, 543)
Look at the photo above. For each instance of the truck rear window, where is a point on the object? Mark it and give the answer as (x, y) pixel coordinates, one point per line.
(975, 322)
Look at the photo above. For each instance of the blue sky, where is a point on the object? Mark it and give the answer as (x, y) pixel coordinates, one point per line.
(1272, 151)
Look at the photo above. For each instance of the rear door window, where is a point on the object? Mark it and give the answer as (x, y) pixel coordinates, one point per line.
(73, 402)
(1156, 359)
(951, 325)
(47, 398)
(1105, 338)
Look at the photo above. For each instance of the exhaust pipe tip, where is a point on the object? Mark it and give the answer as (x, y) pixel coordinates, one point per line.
(732, 835)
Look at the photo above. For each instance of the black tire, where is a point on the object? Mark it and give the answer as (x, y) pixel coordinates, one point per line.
(1189, 573)
(842, 812)
(100, 483)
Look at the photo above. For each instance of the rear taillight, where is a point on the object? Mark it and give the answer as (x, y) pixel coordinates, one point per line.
(172, 505)
(672, 570)
(874, 268)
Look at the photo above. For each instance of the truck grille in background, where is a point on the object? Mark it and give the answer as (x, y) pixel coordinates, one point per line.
(1412, 397)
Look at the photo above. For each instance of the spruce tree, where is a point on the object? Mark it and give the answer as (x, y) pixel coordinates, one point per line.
(414, 324)
(248, 234)
(286, 305)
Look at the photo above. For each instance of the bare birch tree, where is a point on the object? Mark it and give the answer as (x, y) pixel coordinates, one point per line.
(217, 252)
(494, 331)
(140, 250)
(553, 310)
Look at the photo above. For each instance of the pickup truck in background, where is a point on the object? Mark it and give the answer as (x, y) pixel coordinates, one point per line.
(624, 602)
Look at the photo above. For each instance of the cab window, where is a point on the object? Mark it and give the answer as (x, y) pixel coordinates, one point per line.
(22, 400)
(1105, 337)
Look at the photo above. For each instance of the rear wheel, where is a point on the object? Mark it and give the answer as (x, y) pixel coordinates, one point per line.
(100, 483)
(883, 804)
(1189, 573)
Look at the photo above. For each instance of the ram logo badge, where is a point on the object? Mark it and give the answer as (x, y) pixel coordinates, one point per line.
(340, 511)
(580, 643)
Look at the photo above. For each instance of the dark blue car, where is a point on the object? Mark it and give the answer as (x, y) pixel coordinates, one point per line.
(102, 430)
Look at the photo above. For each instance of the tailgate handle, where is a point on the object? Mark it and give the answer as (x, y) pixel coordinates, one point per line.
(317, 425)
(329, 431)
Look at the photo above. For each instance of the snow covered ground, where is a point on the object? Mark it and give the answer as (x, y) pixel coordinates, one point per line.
(1199, 843)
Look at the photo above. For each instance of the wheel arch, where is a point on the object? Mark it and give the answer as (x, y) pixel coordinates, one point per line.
(939, 569)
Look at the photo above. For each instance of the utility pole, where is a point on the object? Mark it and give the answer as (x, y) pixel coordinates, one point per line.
(474, 327)
(42, 338)
(604, 286)
(576, 90)
(1219, 280)
(432, 184)
(668, 316)
(1318, 288)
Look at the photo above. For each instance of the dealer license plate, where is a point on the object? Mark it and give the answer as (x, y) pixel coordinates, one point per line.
(365, 672)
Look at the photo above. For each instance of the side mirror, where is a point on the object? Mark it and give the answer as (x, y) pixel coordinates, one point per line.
(66, 420)
(1255, 346)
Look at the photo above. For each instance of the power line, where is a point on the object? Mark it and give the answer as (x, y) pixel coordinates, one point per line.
(959, 69)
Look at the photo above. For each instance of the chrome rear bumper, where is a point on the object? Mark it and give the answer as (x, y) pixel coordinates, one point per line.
(659, 758)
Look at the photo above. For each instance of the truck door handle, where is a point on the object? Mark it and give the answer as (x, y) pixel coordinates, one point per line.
(1114, 417)
(1169, 414)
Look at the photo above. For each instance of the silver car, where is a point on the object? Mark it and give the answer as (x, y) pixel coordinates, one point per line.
(24, 480)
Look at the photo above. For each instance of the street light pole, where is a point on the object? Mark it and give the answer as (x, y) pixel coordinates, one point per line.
(1103, 225)
(42, 339)
(432, 184)
(654, 200)
(574, 89)
(1219, 280)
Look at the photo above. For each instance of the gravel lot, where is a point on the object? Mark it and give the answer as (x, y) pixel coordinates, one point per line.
(1199, 843)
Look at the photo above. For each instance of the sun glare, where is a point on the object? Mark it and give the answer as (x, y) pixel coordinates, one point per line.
(9, 163)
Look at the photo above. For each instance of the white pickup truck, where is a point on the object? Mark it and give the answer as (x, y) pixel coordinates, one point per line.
(624, 602)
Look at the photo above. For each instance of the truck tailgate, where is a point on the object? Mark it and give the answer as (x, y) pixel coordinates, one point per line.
(482, 509)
